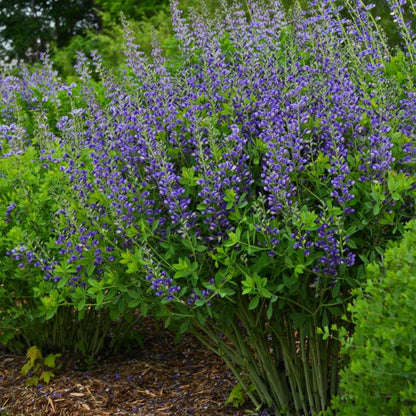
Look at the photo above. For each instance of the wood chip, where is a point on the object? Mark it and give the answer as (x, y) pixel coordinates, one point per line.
(52, 405)
(162, 378)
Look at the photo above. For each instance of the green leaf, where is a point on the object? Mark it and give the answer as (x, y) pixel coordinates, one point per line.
(183, 264)
(299, 268)
(144, 309)
(226, 292)
(81, 304)
(94, 283)
(114, 312)
(46, 376)
(201, 318)
(132, 267)
(248, 290)
(100, 298)
(63, 282)
(263, 262)
(266, 293)
(351, 243)
(289, 280)
(64, 269)
(237, 396)
(254, 303)
(336, 289)
(181, 273)
(81, 314)
(34, 353)
(122, 288)
(131, 232)
(184, 327)
(230, 243)
(51, 313)
(201, 249)
(32, 381)
(26, 368)
(126, 257)
(200, 302)
(270, 311)
(396, 196)
(90, 269)
(335, 310)
(134, 304)
(50, 360)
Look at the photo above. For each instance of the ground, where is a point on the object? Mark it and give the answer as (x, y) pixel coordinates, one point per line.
(162, 378)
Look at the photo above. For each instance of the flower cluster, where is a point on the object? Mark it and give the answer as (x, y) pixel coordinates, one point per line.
(162, 284)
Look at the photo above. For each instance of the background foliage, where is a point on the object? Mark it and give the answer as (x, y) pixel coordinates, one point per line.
(65, 27)
(29, 28)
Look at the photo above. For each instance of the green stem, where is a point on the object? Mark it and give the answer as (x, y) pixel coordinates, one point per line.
(236, 374)
(335, 347)
(293, 372)
(227, 355)
(276, 383)
(213, 342)
(304, 353)
(317, 368)
(251, 366)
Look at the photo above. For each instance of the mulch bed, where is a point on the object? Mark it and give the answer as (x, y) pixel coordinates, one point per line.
(162, 378)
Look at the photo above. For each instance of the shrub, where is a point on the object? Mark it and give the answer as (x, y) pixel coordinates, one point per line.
(37, 307)
(380, 378)
(28, 191)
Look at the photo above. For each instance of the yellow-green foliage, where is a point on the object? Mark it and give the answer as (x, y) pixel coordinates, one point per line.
(37, 368)
(381, 377)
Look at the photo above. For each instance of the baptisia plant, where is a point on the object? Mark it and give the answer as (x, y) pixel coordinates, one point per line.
(243, 181)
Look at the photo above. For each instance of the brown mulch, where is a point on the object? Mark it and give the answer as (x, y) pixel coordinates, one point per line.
(162, 378)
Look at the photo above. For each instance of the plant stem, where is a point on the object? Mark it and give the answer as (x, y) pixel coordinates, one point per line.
(304, 351)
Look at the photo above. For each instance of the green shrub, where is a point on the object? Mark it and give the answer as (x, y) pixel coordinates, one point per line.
(35, 311)
(381, 376)
(36, 308)
(27, 204)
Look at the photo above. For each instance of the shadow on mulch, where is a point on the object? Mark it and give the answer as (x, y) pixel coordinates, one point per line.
(162, 378)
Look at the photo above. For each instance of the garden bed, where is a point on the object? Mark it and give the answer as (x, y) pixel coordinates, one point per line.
(161, 378)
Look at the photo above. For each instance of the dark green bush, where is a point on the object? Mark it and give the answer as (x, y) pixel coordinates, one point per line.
(381, 376)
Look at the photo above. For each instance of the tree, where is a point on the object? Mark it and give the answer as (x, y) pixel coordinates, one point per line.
(133, 9)
(29, 27)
